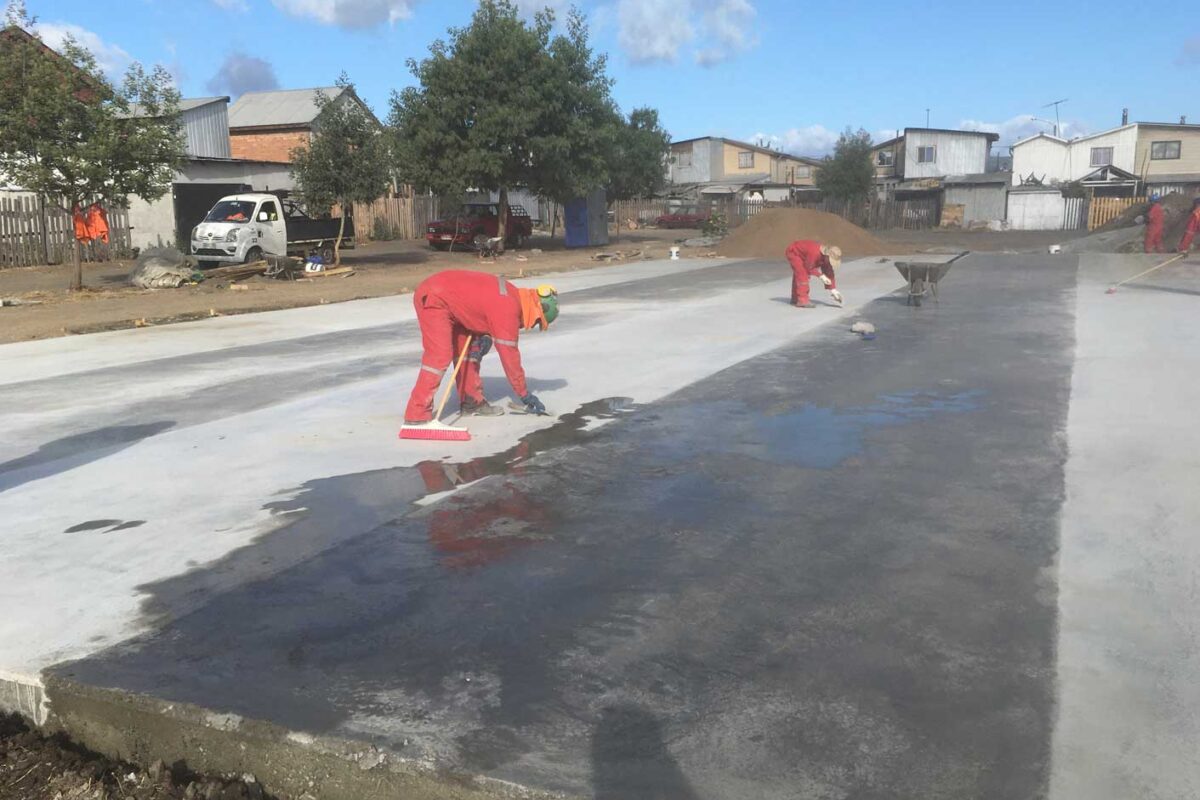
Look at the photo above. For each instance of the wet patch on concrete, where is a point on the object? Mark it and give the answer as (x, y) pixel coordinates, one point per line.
(819, 573)
(105, 525)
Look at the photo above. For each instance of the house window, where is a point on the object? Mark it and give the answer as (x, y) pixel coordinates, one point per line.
(1165, 151)
(803, 172)
(885, 158)
(926, 155)
(745, 160)
(683, 158)
(1102, 156)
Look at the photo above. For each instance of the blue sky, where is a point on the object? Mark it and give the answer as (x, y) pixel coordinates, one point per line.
(789, 71)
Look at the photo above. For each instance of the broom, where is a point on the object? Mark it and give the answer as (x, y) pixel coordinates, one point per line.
(436, 429)
(1113, 289)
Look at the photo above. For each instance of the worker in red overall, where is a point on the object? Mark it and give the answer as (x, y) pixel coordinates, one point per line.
(455, 304)
(813, 259)
(1154, 225)
(1193, 228)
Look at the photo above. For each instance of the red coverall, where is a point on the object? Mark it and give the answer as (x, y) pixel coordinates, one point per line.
(1154, 228)
(807, 261)
(1193, 228)
(450, 306)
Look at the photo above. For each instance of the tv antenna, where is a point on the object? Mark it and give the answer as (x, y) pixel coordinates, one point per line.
(1056, 104)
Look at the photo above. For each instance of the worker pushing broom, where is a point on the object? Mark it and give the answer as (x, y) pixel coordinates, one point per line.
(462, 313)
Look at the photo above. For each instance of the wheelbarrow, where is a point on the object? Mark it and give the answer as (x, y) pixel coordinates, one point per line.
(923, 277)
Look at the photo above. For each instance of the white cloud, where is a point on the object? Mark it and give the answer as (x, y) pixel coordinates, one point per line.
(527, 8)
(111, 59)
(652, 31)
(240, 6)
(349, 13)
(814, 140)
(1023, 126)
(240, 73)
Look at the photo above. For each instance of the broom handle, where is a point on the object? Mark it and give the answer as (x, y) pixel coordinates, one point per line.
(1170, 260)
(453, 376)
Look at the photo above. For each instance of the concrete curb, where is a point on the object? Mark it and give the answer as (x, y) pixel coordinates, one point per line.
(24, 695)
(142, 730)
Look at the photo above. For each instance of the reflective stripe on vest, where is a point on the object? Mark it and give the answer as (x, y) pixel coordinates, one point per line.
(503, 284)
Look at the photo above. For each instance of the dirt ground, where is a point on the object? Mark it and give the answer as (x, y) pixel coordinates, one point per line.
(381, 269)
(36, 767)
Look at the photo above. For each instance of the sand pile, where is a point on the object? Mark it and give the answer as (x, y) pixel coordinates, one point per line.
(769, 232)
(1176, 208)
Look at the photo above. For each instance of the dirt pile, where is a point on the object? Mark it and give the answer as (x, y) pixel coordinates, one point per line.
(1176, 208)
(770, 232)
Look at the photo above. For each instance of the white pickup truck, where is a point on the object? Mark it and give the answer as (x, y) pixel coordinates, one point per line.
(242, 228)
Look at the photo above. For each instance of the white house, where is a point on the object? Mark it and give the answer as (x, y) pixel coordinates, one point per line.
(938, 152)
(1050, 159)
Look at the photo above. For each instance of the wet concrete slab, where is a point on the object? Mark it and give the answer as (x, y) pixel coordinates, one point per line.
(825, 571)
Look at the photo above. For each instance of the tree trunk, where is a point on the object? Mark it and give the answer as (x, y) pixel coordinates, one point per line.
(77, 266)
(553, 218)
(502, 227)
(337, 246)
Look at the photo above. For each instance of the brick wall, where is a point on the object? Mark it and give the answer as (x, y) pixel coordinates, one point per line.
(271, 146)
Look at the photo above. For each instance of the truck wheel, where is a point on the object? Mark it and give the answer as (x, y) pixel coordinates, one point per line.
(326, 253)
(253, 254)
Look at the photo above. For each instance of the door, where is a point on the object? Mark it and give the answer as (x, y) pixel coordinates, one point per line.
(272, 233)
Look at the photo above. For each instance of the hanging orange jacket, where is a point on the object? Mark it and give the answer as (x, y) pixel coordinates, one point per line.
(81, 227)
(97, 222)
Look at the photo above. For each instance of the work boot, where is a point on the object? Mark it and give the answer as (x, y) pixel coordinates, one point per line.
(480, 408)
(805, 305)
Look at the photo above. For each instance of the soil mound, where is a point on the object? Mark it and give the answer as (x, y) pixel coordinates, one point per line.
(770, 231)
(1176, 208)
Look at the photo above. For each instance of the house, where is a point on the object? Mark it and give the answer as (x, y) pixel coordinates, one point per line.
(712, 166)
(207, 174)
(268, 126)
(983, 196)
(921, 153)
(1125, 161)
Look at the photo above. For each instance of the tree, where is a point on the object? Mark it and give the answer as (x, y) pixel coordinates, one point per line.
(69, 135)
(504, 104)
(346, 162)
(637, 168)
(849, 174)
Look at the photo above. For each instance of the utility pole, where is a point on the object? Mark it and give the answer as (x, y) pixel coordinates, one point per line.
(1057, 122)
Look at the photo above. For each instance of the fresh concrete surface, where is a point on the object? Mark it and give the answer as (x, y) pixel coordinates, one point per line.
(952, 562)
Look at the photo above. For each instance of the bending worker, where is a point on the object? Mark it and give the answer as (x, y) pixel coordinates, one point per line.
(1154, 225)
(809, 258)
(455, 304)
(1193, 228)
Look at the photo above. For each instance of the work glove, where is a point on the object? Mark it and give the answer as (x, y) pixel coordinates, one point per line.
(533, 405)
(836, 295)
(480, 348)
(825, 279)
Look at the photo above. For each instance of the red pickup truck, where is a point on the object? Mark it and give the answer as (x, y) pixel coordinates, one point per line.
(476, 219)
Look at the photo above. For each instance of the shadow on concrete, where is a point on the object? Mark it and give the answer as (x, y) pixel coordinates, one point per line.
(74, 451)
(630, 758)
(1168, 289)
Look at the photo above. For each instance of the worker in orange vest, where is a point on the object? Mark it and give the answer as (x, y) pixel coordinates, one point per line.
(1193, 228)
(1154, 225)
(813, 259)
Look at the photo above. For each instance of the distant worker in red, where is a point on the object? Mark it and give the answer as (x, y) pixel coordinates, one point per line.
(1154, 225)
(455, 304)
(1193, 228)
(813, 259)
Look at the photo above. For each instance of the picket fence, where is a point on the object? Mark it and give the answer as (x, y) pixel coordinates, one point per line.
(394, 218)
(34, 233)
(1103, 210)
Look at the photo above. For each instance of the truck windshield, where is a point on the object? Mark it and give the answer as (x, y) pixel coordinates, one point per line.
(231, 211)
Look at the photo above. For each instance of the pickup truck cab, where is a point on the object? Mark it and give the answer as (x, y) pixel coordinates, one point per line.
(475, 219)
(242, 228)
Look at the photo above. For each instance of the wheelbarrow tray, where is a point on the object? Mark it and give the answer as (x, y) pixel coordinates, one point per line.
(932, 271)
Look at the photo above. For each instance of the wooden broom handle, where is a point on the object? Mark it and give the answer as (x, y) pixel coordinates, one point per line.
(453, 376)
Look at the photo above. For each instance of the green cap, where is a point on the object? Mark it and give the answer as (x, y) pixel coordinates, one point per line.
(550, 308)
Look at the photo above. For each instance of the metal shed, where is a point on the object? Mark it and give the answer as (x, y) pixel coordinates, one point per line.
(984, 197)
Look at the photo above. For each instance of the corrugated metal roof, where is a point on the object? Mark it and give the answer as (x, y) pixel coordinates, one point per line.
(982, 177)
(287, 107)
(188, 103)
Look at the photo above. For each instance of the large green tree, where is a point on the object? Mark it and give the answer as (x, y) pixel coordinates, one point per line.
(505, 103)
(638, 163)
(848, 174)
(346, 162)
(71, 136)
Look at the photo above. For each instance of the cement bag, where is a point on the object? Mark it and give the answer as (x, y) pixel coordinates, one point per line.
(162, 268)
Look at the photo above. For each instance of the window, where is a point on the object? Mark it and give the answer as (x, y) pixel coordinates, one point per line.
(1165, 151)
(270, 209)
(745, 160)
(926, 155)
(885, 158)
(1102, 156)
(683, 158)
(231, 211)
(803, 172)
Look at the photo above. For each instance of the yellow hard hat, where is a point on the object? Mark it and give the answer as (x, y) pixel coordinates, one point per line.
(546, 290)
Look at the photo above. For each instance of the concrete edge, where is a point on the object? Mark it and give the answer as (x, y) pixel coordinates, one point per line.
(142, 730)
(24, 695)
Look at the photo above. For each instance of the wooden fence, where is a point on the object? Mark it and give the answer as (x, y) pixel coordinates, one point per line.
(394, 218)
(34, 233)
(1104, 210)
(874, 213)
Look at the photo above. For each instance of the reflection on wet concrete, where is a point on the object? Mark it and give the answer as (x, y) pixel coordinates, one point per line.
(822, 581)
